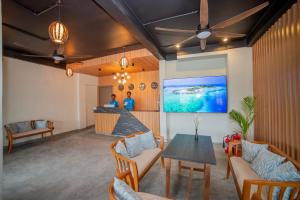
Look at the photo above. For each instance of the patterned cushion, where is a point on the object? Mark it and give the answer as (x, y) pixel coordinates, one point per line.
(13, 127)
(40, 124)
(284, 172)
(147, 140)
(121, 149)
(133, 146)
(251, 150)
(123, 191)
(265, 162)
(24, 126)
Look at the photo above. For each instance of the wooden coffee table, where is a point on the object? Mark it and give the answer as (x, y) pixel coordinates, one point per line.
(186, 148)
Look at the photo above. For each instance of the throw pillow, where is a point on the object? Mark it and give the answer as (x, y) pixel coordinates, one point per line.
(133, 146)
(251, 150)
(123, 191)
(121, 149)
(147, 140)
(40, 124)
(13, 128)
(265, 162)
(284, 172)
(24, 126)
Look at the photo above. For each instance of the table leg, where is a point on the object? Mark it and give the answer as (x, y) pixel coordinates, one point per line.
(168, 171)
(206, 181)
(179, 166)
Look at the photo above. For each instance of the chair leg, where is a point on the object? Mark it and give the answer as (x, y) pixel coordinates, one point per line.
(228, 170)
(10, 145)
(179, 166)
(189, 186)
(162, 162)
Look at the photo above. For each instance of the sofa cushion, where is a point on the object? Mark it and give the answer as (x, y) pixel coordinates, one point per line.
(24, 126)
(133, 146)
(121, 149)
(284, 172)
(243, 171)
(13, 128)
(251, 150)
(124, 191)
(32, 132)
(147, 196)
(147, 140)
(40, 124)
(265, 162)
(145, 158)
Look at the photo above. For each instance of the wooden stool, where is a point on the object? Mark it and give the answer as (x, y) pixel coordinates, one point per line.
(195, 167)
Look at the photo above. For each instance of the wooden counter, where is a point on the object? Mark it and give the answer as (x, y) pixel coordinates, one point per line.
(121, 122)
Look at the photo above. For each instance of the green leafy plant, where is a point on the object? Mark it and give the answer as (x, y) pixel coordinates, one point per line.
(246, 118)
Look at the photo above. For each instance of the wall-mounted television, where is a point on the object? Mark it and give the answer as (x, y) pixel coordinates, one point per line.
(201, 94)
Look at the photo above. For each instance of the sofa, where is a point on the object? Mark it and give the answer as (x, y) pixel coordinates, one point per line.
(127, 192)
(140, 164)
(18, 130)
(248, 172)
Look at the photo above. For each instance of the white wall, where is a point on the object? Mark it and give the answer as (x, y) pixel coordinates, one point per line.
(235, 63)
(34, 91)
(1, 96)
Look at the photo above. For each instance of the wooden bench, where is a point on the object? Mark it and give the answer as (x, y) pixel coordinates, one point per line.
(123, 163)
(13, 132)
(256, 189)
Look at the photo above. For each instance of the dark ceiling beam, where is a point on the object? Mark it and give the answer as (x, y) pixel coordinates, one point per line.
(276, 9)
(118, 10)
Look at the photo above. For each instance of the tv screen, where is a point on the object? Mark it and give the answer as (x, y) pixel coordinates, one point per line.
(202, 94)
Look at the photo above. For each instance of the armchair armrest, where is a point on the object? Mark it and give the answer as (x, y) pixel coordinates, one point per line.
(231, 145)
(50, 124)
(270, 185)
(161, 141)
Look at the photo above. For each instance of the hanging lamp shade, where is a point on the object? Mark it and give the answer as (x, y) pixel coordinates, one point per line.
(69, 72)
(124, 62)
(58, 32)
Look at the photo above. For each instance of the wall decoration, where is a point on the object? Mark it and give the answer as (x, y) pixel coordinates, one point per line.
(142, 86)
(130, 86)
(121, 87)
(154, 85)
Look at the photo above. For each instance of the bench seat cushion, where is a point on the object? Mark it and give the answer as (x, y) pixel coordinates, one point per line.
(32, 132)
(243, 171)
(146, 196)
(145, 158)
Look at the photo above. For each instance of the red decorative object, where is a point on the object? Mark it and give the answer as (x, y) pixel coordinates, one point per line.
(229, 138)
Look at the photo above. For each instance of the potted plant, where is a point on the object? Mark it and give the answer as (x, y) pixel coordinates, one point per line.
(246, 118)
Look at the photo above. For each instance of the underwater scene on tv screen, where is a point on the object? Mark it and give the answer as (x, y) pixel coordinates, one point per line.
(202, 94)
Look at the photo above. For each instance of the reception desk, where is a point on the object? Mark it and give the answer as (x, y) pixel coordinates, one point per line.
(120, 122)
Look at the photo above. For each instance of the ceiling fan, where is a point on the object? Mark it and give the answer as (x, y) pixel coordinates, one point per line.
(57, 56)
(204, 30)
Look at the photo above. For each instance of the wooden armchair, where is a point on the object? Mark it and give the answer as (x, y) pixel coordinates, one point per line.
(123, 163)
(261, 186)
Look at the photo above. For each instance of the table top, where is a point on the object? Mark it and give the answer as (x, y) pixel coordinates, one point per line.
(186, 148)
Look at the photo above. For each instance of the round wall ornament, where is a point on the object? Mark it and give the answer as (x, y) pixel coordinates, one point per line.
(121, 87)
(131, 86)
(154, 85)
(142, 86)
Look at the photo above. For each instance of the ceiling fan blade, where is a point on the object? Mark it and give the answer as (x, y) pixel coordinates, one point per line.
(202, 44)
(36, 56)
(203, 14)
(228, 34)
(240, 17)
(174, 30)
(56, 61)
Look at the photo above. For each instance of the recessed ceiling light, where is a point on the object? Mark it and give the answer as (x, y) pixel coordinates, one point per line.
(177, 46)
(225, 39)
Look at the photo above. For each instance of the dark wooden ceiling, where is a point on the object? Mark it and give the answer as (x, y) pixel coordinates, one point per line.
(102, 27)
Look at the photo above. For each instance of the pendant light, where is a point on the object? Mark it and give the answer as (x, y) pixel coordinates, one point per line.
(124, 61)
(58, 32)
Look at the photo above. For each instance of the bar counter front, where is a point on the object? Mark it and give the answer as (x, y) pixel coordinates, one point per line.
(121, 122)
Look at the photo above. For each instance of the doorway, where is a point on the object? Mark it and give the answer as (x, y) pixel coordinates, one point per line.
(104, 94)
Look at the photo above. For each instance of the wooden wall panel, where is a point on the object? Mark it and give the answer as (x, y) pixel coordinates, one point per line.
(149, 119)
(106, 122)
(147, 99)
(276, 76)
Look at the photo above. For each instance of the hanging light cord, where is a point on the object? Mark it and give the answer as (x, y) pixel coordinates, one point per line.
(59, 2)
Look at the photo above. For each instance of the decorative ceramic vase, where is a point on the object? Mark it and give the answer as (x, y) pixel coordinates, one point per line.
(196, 134)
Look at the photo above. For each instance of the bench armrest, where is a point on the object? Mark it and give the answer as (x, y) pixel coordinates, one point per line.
(270, 185)
(161, 141)
(50, 125)
(231, 145)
